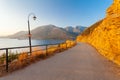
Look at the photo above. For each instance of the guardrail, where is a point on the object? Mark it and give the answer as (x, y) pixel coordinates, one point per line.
(57, 46)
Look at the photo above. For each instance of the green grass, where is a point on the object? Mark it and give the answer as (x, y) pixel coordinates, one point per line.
(12, 56)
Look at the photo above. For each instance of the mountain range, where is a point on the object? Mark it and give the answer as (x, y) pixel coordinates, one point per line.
(50, 32)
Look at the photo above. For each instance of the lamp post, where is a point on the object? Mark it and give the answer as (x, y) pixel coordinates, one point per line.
(29, 32)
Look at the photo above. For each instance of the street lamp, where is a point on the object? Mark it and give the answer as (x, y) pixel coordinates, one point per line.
(29, 33)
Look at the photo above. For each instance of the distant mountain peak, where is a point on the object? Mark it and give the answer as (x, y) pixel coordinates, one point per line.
(47, 32)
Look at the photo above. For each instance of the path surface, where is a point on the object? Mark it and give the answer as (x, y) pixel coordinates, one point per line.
(82, 62)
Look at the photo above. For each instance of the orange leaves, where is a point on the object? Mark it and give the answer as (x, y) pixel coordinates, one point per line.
(22, 56)
(37, 52)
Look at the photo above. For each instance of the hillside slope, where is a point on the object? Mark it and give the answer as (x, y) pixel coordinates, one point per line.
(50, 32)
(105, 34)
(45, 32)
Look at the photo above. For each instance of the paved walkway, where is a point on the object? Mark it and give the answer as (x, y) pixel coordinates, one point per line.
(82, 62)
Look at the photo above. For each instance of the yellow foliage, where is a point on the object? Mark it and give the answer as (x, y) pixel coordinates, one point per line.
(23, 56)
(63, 46)
(21, 61)
(50, 51)
(70, 43)
(37, 52)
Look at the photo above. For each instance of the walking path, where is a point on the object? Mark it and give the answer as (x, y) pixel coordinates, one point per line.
(82, 62)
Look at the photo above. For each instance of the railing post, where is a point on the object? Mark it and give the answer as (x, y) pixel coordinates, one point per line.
(59, 47)
(46, 50)
(6, 60)
(75, 42)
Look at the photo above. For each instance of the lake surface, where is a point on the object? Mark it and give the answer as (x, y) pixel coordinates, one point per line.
(7, 43)
(4, 42)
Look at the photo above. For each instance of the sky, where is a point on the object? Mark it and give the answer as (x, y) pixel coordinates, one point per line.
(62, 13)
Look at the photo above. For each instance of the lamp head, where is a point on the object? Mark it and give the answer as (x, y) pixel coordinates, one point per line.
(34, 17)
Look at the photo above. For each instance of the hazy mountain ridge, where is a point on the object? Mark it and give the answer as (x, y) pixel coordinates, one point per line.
(46, 32)
(75, 30)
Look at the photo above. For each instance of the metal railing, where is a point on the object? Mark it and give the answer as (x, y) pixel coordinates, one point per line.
(6, 64)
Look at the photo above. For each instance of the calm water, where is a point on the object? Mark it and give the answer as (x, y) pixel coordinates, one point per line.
(4, 42)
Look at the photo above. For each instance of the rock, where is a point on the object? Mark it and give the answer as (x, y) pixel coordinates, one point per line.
(105, 34)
